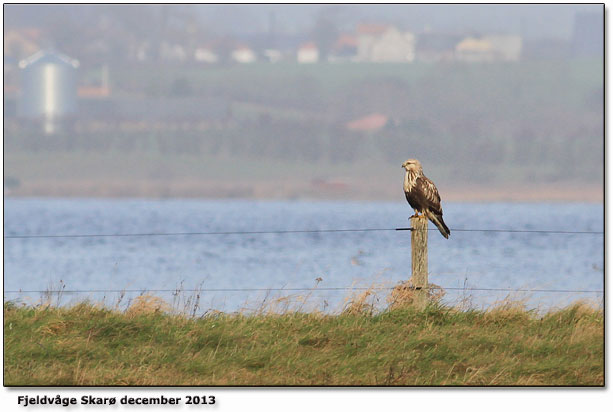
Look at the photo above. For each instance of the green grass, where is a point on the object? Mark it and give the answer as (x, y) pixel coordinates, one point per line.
(144, 345)
(263, 79)
(287, 122)
(115, 165)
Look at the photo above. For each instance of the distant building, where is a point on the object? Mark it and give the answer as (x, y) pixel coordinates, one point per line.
(48, 89)
(370, 123)
(345, 48)
(307, 53)
(20, 43)
(96, 87)
(473, 49)
(205, 55)
(436, 47)
(243, 54)
(371, 29)
(489, 48)
(382, 43)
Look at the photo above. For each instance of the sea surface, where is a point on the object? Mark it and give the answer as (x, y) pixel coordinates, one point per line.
(238, 271)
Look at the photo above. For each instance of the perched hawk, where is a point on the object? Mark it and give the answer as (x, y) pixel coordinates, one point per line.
(423, 196)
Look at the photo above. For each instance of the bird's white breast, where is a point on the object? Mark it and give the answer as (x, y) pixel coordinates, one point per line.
(409, 181)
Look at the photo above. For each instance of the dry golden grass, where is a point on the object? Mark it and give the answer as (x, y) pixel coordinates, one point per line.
(148, 344)
(147, 304)
(403, 295)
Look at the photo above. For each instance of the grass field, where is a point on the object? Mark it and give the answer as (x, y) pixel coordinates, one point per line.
(318, 80)
(279, 127)
(148, 345)
(116, 174)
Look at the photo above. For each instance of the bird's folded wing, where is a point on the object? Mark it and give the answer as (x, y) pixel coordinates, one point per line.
(425, 188)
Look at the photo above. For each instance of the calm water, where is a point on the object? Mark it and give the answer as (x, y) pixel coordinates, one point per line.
(467, 259)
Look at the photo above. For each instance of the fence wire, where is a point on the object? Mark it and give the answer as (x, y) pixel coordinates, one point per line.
(468, 289)
(262, 232)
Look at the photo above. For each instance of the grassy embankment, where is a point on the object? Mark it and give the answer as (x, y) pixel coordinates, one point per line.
(507, 345)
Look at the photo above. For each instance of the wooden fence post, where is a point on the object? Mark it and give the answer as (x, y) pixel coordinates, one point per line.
(419, 260)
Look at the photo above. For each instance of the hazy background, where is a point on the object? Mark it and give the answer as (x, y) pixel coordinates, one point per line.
(154, 104)
(499, 102)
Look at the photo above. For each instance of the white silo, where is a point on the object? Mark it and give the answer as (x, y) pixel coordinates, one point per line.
(48, 88)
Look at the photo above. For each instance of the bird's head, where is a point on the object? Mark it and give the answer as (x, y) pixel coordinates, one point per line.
(412, 165)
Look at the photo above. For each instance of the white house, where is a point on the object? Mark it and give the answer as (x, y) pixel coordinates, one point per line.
(243, 54)
(381, 43)
(308, 53)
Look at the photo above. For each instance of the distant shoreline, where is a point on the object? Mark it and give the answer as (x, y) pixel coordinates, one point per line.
(342, 189)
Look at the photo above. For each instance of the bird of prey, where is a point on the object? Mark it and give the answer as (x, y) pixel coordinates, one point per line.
(423, 196)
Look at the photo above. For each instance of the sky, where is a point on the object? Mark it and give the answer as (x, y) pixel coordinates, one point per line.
(532, 21)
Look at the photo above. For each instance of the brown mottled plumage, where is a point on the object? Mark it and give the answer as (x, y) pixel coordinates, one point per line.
(423, 196)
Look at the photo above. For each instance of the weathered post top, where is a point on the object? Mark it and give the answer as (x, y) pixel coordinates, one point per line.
(419, 259)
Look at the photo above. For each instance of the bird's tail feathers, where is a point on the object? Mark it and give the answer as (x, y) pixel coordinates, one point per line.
(440, 224)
